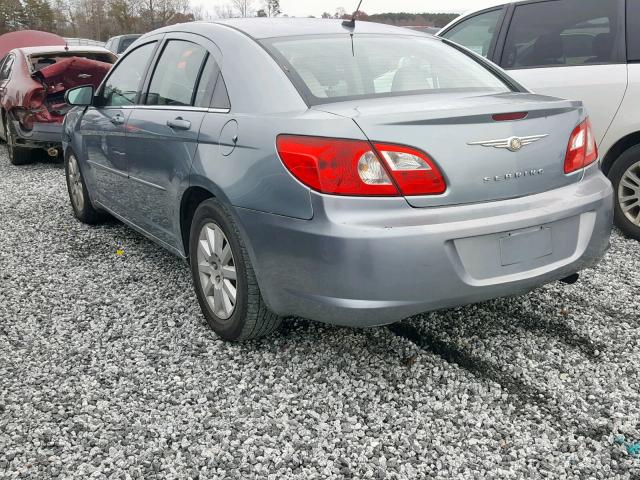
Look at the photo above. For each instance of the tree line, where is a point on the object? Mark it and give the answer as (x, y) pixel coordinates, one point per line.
(101, 19)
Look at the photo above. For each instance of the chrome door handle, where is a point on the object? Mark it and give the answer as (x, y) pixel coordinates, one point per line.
(117, 119)
(179, 124)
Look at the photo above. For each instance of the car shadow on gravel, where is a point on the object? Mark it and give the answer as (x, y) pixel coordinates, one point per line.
(523, 393)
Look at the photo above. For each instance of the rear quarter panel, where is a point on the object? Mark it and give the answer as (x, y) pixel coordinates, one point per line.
(252, 175)
(20, 84)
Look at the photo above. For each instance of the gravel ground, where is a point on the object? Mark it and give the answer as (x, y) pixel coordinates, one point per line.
(108, 371)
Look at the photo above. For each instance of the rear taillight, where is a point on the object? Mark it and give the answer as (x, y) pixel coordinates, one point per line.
(335, 166)
(582, 149)
(354, 167)
(37, 99)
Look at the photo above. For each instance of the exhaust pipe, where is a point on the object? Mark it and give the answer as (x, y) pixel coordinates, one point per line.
(52, 152)
(571, 279)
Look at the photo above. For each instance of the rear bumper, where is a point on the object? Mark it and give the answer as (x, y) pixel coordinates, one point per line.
(368, 262)
(42, 135)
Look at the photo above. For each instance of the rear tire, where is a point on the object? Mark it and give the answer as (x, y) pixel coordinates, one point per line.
(625, 176)
(224, 279)
(17, 155)
(78, 194)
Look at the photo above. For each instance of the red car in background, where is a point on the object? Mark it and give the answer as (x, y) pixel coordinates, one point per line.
(36, 69)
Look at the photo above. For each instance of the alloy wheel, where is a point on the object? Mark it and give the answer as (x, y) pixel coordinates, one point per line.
(75, 184)
(217, 271)
(629, 193)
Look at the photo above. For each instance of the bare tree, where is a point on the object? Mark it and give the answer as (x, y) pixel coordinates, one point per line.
(223, 11)
(340, 12)
(243, 7)
(272, 8)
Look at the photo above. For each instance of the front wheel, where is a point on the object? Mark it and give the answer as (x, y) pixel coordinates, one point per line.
(78, 194)
(625, 176)
(224, 279)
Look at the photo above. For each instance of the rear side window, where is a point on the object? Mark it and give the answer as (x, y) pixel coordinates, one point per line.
(341, 67)
(563, 33)
(633, 30)
(207, 83)
(176, 75)
(221, 96)
(211, 91)
(122, 86)
(476, 33)
(5, 70)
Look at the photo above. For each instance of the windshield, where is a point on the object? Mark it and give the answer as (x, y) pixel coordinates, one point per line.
(342, 67)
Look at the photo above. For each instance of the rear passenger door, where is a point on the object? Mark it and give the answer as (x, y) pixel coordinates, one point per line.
(162, 133)
(571, 49)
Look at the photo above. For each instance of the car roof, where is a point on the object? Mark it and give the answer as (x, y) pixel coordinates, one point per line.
(62, 49)
(289, 27)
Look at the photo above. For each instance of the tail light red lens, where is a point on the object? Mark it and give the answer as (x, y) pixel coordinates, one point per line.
(582, 149)
(37, 99)
(357, 168)
(335, 166)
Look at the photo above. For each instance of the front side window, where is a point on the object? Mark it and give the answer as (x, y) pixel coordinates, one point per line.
(176, 75)
(563, 33)
(123, 85)
(340, 67)
(476, 33)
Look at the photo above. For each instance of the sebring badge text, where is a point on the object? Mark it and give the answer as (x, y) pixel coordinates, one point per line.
(514, 175)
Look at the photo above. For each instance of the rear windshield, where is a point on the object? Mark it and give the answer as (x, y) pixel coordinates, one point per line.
(342, 67)
(38, 62)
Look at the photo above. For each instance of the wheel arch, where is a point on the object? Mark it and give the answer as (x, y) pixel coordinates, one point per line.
(201, 189)
(192, 197)
(625, 143)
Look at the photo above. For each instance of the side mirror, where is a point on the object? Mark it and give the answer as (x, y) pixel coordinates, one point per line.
(79, 96)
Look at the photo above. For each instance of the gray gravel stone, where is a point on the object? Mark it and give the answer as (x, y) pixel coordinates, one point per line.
(108, 371)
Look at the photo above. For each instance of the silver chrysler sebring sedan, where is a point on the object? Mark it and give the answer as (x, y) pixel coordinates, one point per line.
(350, 174)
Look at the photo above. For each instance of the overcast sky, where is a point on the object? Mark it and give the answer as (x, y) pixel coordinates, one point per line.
(303, 8)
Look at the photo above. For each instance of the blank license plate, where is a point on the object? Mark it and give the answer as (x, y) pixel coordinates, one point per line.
(518, 247)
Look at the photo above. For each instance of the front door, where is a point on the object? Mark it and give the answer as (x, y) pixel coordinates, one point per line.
(104, 128)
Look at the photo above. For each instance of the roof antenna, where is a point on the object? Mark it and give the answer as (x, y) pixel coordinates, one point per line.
(352, 23)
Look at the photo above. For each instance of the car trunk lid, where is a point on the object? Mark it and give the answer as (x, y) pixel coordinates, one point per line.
(65, 74)
(471, 148)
